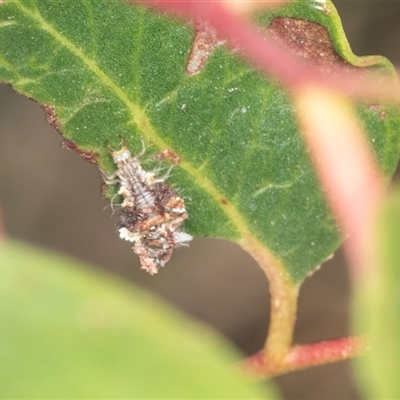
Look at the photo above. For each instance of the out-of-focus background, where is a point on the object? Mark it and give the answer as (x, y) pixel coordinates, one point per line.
(50, 197)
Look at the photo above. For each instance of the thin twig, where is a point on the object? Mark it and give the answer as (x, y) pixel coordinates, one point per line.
(284, 294)
(272, 59)
(346, 166)
(306, 356)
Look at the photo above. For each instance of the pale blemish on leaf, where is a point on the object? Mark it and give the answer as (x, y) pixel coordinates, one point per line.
(204, 42)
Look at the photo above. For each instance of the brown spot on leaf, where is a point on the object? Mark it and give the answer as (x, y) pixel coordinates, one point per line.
(168, 154)
(224, 202)
(87, 155)
(309, 41)
(51, 117)
(204, 42)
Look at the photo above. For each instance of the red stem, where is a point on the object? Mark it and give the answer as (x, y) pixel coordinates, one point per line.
(306, 356)
(346, 167)
(272, 59)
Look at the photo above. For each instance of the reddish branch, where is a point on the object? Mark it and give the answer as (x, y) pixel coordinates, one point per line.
(346, 167)
(306, 356)
(265, 54)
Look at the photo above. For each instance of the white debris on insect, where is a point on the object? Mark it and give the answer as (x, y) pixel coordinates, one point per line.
(182, 237)
(152, 212)
(125, 234)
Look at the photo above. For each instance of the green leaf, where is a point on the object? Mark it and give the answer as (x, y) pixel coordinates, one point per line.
(115, 73)
(71, 332)
(377, 309)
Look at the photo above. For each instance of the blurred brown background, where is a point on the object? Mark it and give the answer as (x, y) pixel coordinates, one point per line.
(51, 197)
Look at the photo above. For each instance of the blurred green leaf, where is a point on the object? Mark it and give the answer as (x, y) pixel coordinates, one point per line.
(378, 309)
(115, 73)
(71, 332)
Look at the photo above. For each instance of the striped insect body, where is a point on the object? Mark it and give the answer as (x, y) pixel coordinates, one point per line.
(151, 212)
